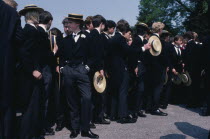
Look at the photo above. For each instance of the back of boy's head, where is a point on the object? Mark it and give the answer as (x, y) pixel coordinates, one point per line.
(97, 20)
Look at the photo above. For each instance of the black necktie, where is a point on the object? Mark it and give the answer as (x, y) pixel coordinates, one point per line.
(178, 50)
(74, 35)
(179, 54)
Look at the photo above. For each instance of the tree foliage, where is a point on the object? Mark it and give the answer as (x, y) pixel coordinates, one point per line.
(178, 15)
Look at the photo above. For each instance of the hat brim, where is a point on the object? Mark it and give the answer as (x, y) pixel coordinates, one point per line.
(176, 79)
(100, 88)
(25, 10)
(189, 81)
(151, 50)
(76, 19)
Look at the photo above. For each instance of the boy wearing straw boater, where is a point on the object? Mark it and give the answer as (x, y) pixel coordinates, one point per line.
(30, 76)
(76, 61)
(156, 64)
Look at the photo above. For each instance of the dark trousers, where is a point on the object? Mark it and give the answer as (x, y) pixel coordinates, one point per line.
(98, 105)
(120, 98)
(194, 93)
(77, 77)
(139, 94)
(60, 100)
(30, 125)
(7, 113)
(28, 102)
(7, 117)
(108, 98)
(207, 88)
(153, 91)
(165, 94)
(48, 93)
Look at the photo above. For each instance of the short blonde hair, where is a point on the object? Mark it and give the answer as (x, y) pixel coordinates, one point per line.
(11, 3)
(157, 26)
(32, 15)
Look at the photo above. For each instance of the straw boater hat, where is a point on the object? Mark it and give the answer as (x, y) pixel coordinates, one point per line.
(185, 77)
(76, 17)
(29, 8)
(165, 32)
(156, 46)
(176, 79)
(99, 82)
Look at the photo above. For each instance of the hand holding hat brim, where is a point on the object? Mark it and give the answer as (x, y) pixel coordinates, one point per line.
(156, 46)
(99, 82)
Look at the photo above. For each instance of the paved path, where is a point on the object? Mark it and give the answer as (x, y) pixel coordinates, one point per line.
(181, 123)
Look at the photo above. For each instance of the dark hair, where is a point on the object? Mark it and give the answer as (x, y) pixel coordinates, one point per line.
(45, 17)
(140, 30)
(97, 20)
(163, 36)
(88, 20)
(56, 32)
(129, 29)
(122, 26)
(188, 35)
(109, 24)
(65, 21)
(177, 37)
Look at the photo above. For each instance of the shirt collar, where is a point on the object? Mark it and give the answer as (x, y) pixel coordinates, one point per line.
(142, 38)
(64, 35)
(157, 34)
(88, 31)
(107, 35)
(41, 25)
(120, 33)
(98, 30)
(76, 33)
(32, 25)
(190, 40)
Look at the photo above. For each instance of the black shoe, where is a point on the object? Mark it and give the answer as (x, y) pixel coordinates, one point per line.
(134, 115)
(158, 113)
(92, 125)
(147, 111)
(141, 114)
(49, 132)
(163, 107)
(89, 134)
(113, 118)
(192, 106)
(40, 137)
(127, 120)
(102, 121)
(106, 116)
(59, 127)
(74, 134)
(205, 113)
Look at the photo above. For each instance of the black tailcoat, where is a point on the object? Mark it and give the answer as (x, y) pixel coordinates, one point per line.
(10, 38)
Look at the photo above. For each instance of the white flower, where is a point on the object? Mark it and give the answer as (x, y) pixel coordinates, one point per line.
(83, 36)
